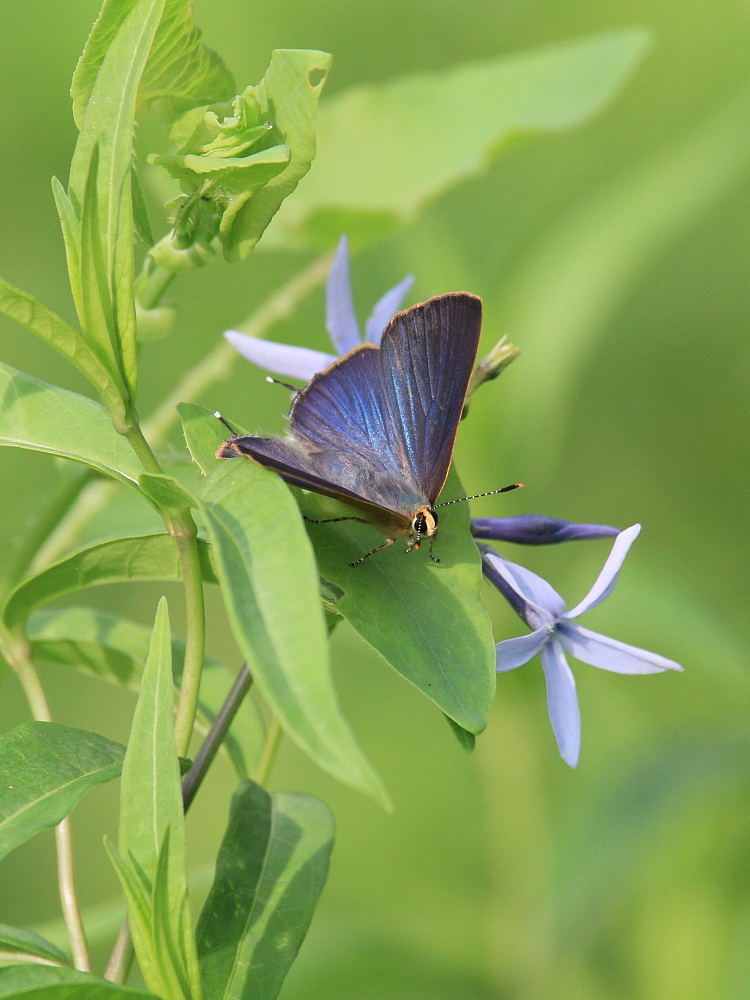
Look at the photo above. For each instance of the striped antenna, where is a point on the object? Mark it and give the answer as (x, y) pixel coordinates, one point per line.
(505, 489)
(223, 421)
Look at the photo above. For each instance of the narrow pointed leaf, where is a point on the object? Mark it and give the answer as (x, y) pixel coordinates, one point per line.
(114, 649)
(106, 141)
(270, 585)
(37, 318)
(386, 150)
(119, 560)
(271, 868)
(45, 770)
(43, 417)
(39, 982)
(19, 941)
(427, 620)
(152, 824)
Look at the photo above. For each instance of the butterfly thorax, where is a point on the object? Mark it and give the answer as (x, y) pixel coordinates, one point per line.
(424, 524)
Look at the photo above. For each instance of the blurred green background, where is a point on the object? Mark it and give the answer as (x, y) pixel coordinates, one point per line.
(617, 257)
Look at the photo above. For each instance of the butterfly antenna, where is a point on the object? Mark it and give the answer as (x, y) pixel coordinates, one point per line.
(505, 489)
(223, 421)
(287, 385)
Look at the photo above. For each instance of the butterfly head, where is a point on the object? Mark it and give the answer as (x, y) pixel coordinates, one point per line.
(424, 524)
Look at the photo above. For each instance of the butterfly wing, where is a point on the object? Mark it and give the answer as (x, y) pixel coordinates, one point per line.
(296, 468)
(383, 422)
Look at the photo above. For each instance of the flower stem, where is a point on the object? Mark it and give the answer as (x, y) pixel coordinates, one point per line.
(23, 665)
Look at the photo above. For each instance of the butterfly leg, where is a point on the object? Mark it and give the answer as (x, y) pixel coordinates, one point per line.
(330, 520)
(386, 543)
(434, 558)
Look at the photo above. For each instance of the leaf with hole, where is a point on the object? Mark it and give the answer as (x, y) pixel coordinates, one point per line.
(270, 871)
(45, 770)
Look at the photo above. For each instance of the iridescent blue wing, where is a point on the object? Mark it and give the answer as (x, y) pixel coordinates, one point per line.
(427, 358)
(378, 426)
(387, 419)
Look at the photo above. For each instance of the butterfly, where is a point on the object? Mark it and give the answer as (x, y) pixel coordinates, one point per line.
(376, 428)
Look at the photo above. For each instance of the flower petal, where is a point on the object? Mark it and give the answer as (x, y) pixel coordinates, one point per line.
(385, 308)
(562, 702)
(607, 579)
(284, 359)
(609, 654)
(341, 320)
(512, 653)
(535, 529)
(541, 604)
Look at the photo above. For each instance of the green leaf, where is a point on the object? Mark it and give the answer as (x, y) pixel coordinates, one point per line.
(118, 560)
(466, 739)
(166, 493)
(151, 860)
(103, 161)
(270, 585)
(39, 982)
(45, 770)
(386, 150)
(18, 941)
(114, 649)
(43, 417)
(180, 73)
(38, 319)
(270, 871)
(289, 93)
(203, 435)
(427, 620)
(141, 221)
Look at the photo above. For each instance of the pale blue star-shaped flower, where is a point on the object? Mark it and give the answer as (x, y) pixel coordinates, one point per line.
(556, 632)
(341, 323)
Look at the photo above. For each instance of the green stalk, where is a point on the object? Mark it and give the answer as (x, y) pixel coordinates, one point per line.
(185, 535)
(182, 528)
(21, 661)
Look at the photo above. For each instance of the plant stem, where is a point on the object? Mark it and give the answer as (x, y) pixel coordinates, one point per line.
(23, 665)
(210, 746)
(122, 955)
(121, 959)
(152, 284)
(185, 536)
(269, 752)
